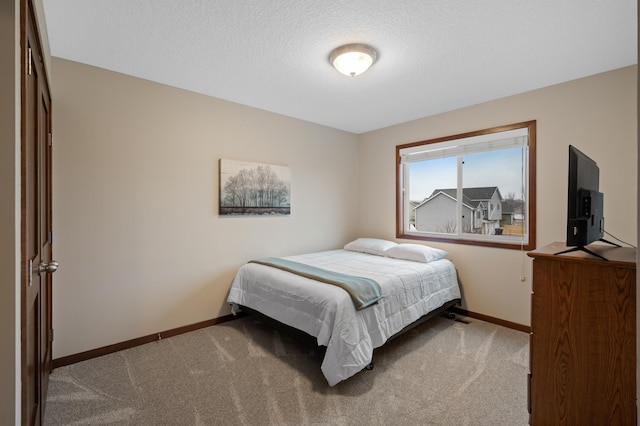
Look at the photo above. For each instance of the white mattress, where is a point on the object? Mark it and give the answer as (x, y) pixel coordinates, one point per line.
(410, 290)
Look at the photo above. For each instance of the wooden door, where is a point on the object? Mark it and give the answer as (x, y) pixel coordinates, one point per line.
(37, 236)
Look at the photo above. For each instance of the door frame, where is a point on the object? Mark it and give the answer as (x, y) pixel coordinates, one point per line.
(36, 131)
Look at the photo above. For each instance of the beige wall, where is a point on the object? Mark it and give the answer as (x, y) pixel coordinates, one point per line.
(597, 114)
(9, 213)
(135, 194)
(141, 246)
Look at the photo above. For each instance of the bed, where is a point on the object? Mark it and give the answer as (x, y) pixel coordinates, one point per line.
(414, 281)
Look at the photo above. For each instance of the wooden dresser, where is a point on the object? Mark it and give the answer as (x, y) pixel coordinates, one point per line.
(582, 366)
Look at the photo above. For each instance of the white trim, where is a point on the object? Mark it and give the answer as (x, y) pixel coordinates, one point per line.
(492, 142)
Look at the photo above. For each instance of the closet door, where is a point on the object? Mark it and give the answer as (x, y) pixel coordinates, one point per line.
(37, 236)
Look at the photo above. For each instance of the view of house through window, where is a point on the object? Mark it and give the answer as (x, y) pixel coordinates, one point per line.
(474, 188)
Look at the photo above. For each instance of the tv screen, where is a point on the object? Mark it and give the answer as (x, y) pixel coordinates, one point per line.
(584, 202)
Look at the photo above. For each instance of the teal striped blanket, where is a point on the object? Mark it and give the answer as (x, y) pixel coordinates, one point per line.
(363, 291)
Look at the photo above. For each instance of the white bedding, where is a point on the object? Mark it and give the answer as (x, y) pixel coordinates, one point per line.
(410, 290)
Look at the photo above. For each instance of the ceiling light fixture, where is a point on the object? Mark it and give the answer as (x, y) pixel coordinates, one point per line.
(353, 59)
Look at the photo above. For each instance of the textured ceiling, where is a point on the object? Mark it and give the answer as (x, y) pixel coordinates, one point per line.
(435, 55)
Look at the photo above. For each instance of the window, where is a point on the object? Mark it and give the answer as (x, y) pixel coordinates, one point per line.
(474, 188)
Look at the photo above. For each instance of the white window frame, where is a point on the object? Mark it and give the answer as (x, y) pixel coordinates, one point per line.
(497, 138)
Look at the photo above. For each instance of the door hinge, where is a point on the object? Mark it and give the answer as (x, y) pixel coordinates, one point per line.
(51, 335)
(50, 139)
(29, 62)
(30, 272)
(50, 237)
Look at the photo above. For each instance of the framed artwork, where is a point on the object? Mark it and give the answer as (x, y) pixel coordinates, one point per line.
(254, 189)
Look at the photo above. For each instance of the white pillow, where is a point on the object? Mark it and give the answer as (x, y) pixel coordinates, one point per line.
(415, 252)
(370, 246)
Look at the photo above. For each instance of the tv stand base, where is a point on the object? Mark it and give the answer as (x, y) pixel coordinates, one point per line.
(586, 250)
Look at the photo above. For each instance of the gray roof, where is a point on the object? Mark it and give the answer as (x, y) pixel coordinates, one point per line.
(471, 196)
(512, 206)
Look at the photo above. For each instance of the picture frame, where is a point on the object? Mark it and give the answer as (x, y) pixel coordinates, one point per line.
(253, 189)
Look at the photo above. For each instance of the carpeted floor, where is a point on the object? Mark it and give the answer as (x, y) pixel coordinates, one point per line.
(245, 372)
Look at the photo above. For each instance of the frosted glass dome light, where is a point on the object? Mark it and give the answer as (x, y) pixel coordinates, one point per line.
(353, 59)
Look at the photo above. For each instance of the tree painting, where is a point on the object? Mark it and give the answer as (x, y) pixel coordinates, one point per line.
(254, 189)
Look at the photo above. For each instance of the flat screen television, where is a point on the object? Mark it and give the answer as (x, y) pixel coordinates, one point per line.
(585, 219)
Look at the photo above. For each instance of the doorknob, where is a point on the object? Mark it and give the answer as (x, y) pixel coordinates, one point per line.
(50, 267)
